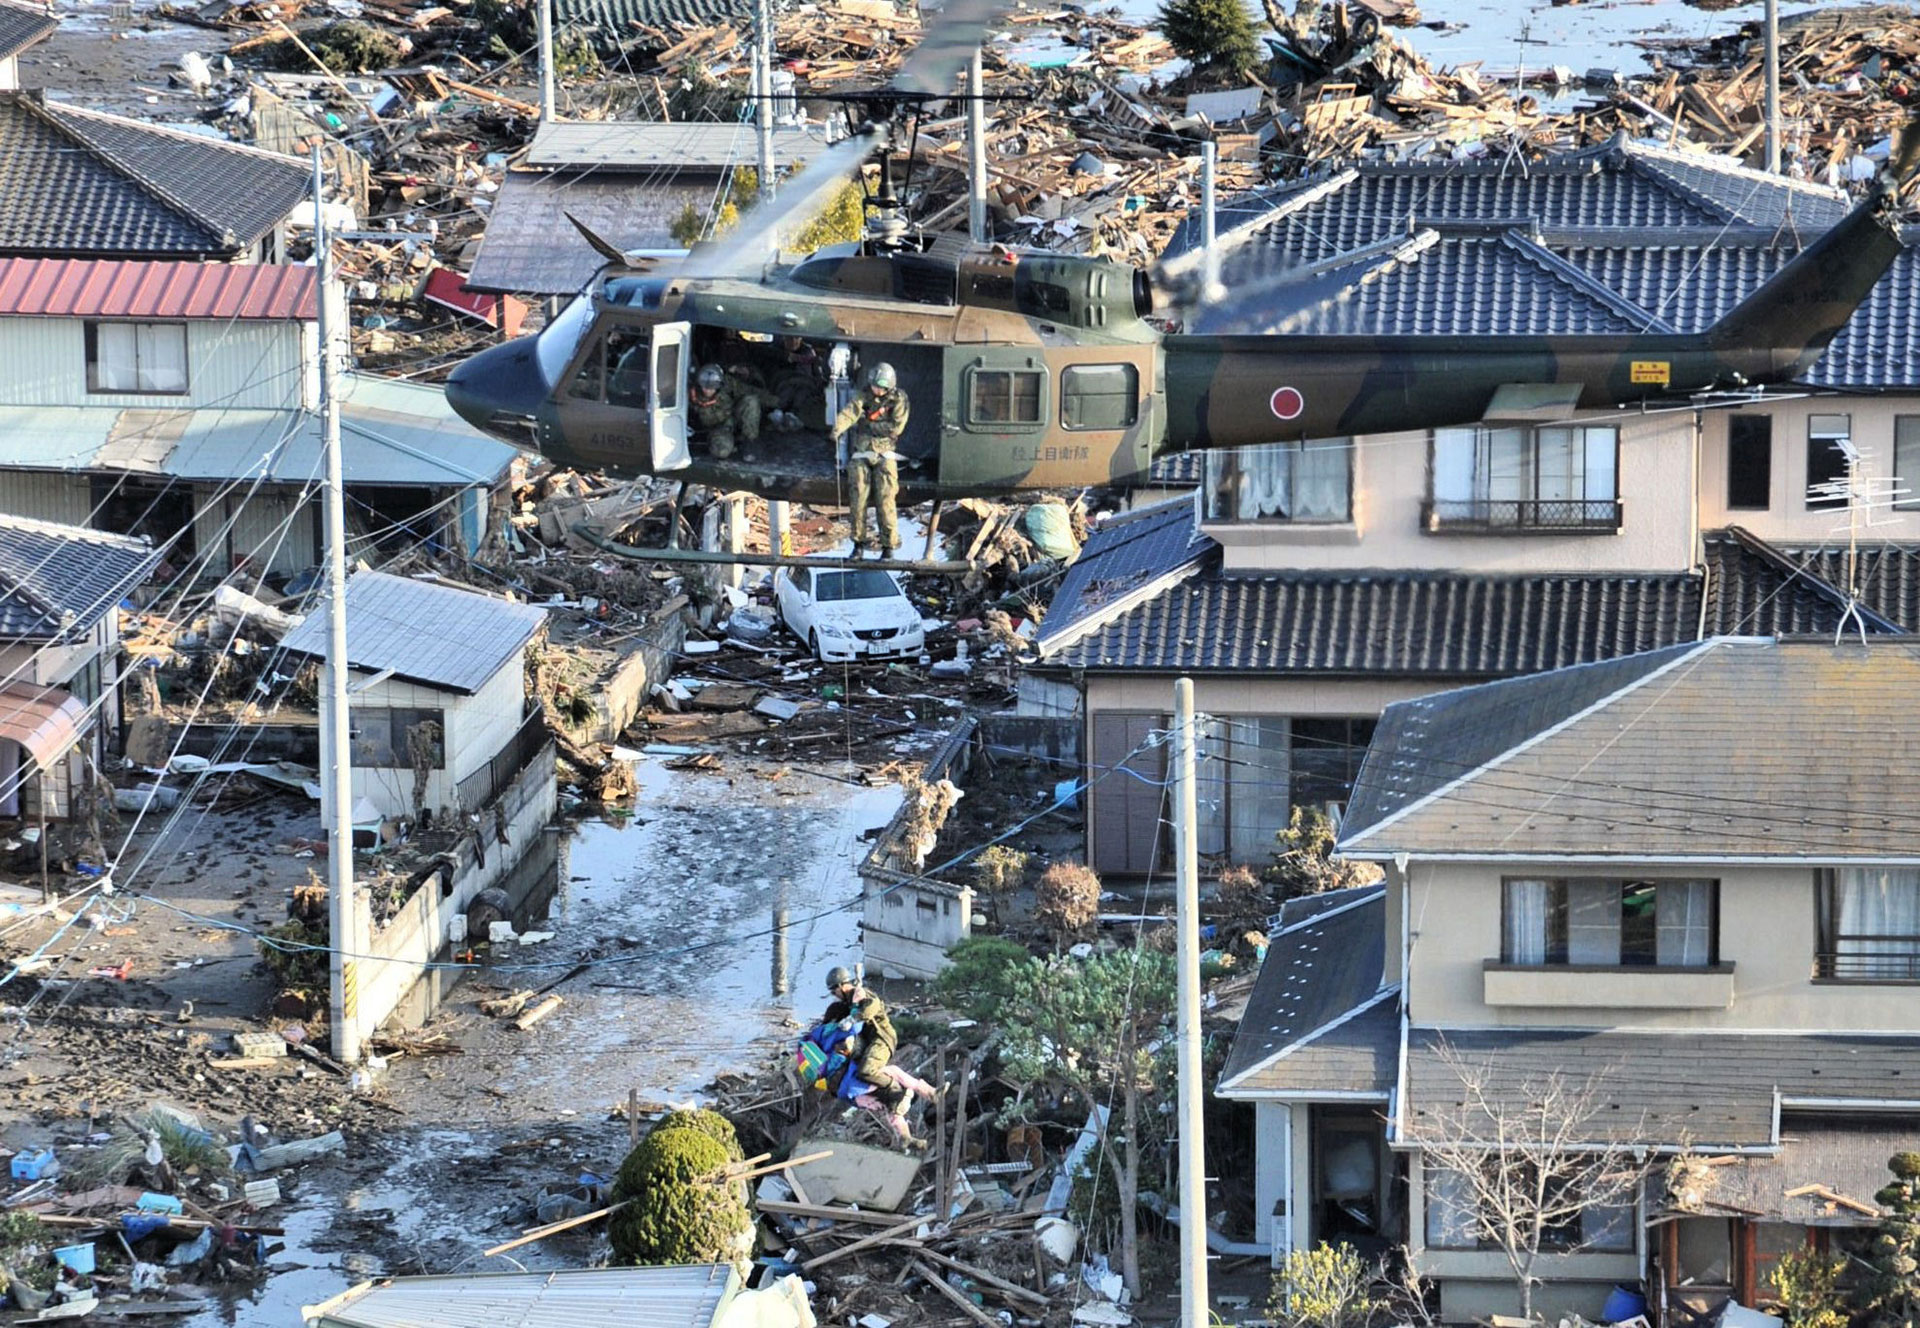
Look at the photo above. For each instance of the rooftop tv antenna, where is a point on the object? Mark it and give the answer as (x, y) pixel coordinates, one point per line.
(1863, 494)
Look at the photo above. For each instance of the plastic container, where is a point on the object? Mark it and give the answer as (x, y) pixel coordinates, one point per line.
(75, 1258)
(35, 1165)
(159, 1203)
(1622, 1303)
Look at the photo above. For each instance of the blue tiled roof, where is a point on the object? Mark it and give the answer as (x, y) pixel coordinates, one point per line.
(1125, 554)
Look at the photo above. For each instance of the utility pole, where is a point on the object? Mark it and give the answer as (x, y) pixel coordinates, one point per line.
(343, 915)
(548, 104)
(976, 152)
(1210, 253)
(1773, 86)
(763, 88)
(1194, 1300)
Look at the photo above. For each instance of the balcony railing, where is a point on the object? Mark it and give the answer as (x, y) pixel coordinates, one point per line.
(1871, 959)
(1550, 516)
(480, 788)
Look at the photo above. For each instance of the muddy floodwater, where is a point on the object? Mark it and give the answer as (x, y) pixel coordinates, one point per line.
(707, 922)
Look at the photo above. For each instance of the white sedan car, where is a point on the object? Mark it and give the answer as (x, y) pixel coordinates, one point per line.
(849, 613)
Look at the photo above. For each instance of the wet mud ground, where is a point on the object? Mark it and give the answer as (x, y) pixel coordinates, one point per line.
(688, 939)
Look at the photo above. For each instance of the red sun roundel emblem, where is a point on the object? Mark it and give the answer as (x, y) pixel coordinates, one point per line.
(1287, 403)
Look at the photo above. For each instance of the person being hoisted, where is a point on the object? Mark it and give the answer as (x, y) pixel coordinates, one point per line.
(872, 424)
(871, 1058)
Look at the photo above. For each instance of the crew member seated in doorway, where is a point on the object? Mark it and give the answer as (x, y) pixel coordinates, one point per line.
(872, 424)
(872, 1058)
(799, 384)
(723, 408)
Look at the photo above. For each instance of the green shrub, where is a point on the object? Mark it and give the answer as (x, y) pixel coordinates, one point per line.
(677, 1207)
(710, 1123)
(1328, 1286)
(978, 975)
(1808, 1285)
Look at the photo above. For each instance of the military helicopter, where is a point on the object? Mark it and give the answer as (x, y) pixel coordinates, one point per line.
(1030, 370)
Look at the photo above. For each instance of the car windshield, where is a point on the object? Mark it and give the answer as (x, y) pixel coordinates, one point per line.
(860, 584)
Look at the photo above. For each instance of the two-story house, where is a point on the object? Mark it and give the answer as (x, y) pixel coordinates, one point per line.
(180, 401)
(1683, 878)
(1307, 584)
(21, 26)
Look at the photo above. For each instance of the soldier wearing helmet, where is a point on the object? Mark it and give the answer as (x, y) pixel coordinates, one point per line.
(871, 1052)
(872, 424)
(724, 407)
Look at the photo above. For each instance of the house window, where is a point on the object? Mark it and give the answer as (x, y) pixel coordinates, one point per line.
(1749, 463)
(1243, 786)
(1005, 396)
(1829, 445)
(1326, 759)
(1610, 923)
(1906, 462)
(379, 737)
(137, 357)
(1454, 1221)
(1099, 396)
(1553, 478)
(1299, 482)
(1870, 924)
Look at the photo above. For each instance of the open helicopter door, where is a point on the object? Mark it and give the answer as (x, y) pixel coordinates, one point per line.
(667, 396)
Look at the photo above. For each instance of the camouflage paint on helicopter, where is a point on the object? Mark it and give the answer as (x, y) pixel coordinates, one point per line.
(1032, 370)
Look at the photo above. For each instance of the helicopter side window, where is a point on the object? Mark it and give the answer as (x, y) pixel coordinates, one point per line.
(671, 374)
(1005, 396)
(1099, 396)
(627, 368)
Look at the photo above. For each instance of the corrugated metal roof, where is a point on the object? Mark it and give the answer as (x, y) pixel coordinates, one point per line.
(83, 288)
(621, 17)
(23, 25)
(1724, 747)
(684, 144)
(391, 433)
(689, 1296)
(430, 633)
(57, 581)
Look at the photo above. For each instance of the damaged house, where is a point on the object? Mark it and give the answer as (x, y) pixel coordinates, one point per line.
(1676, 877)
(179, 401)
(1307, 584)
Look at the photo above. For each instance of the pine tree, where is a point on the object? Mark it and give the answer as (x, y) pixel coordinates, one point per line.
(1893, 1294)
(1216, 35)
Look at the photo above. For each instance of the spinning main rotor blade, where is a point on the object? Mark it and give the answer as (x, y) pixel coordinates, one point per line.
(947, 45)
(800, 199)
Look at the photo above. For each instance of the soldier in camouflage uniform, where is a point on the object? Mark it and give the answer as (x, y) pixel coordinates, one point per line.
(722, 404)
(872, 424)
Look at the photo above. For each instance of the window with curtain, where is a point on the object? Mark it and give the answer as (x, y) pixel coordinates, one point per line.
(1829, 446)
(1561, 476)
(137, 357)
(1870, 920)
(1302, 482)
(1452, 1221)
(1242, 783)
(1906, 461)
(1610, 923)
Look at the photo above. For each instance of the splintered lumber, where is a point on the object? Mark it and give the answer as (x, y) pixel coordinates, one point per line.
(1035, 1300)
(538, 1012)
(865, 1242)
(1833, 1196)
(502, 1007)
(756, 1172)
(555, 1228)
(825, 1213)
(960, 1300)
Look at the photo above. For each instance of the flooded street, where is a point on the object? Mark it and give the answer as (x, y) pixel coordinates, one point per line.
(706, 923)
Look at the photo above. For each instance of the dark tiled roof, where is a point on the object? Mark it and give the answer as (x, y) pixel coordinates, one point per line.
(60, 580)
(23, 25)
(1705, 1090)
(1126, 554)
(1733, 748)
(1402, 624)
(1888, 573)
(1755, 589)
(620, 17)
(1318, 979)
(79, 182)
(1422, 745)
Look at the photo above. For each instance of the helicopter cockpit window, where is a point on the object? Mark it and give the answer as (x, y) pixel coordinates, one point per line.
(1005, 396)
(1099, 396)
(615, 371)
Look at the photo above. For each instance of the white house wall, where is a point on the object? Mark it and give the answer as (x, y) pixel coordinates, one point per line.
(1390, 484)
(237, 364)
(1787, 519)
(1768, 932)
(475, 728)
